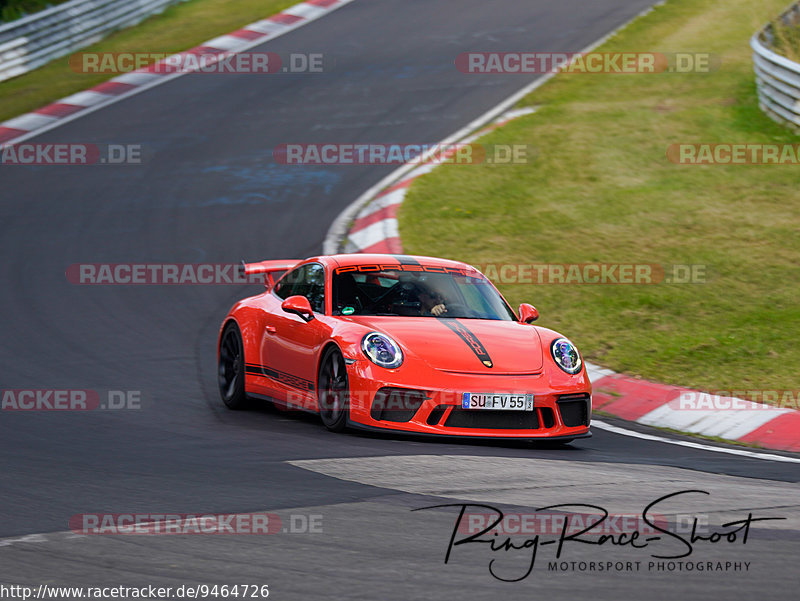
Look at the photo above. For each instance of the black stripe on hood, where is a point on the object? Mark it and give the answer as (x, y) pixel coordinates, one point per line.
(470, 339)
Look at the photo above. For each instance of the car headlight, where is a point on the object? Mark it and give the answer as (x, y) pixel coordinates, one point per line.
(382, 350)
(566, 356)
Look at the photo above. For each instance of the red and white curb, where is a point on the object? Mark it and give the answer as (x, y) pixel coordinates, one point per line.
(77, 105)
(694, 411)
(375, 230)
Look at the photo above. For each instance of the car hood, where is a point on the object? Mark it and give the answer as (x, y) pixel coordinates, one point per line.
(466, 345)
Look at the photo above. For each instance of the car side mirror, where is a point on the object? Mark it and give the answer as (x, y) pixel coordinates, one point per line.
(298, 305)
(528, 313)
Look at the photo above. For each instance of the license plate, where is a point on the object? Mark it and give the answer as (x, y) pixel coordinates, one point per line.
(502, 402)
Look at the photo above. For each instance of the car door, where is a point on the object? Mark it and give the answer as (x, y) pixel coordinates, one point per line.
(291, 343)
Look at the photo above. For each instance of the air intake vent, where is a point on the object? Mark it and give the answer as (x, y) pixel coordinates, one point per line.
(436, 415)
(575, 409)
(396, 404)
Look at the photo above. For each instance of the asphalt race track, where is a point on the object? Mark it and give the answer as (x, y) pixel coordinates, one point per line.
(210, 192)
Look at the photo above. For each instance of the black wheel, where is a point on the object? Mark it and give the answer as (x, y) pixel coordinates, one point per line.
(231, 368)
(333, 395)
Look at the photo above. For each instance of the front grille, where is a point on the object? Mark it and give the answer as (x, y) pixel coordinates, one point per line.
(396, 404)
(574, 409)
(492, 420)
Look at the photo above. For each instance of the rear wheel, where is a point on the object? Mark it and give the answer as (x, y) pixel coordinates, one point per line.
(231, 368)
(333, 395)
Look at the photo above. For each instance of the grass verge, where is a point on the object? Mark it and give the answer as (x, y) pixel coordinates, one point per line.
(602, 190)
(179, 27)
(10, 10)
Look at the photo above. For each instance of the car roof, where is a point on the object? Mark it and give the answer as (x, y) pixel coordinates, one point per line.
(346, 260)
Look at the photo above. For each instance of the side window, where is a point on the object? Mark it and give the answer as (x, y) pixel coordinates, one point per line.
(308, 281)
(287, 284)
(314, 284)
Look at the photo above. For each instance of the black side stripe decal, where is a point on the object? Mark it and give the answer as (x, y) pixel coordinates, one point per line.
(470, 339)
(279, 376)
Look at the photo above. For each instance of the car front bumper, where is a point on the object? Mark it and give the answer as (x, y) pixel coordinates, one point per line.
(428, 401)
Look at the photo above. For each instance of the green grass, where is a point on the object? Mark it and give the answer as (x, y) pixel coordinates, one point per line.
(180, 27)
(14, 9)
(601, 190)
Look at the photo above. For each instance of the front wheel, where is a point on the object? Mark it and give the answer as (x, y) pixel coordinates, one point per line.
(333, 395)
(231, 368)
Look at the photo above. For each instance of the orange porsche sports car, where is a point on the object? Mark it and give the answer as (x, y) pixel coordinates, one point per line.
(401, 343)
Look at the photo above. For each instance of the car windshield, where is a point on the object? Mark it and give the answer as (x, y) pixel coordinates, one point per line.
(442, 293)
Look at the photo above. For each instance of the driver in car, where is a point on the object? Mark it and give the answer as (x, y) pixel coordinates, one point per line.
(431, 301)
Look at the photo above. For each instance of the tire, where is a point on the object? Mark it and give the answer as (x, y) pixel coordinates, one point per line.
(230, 372)
(333, 392)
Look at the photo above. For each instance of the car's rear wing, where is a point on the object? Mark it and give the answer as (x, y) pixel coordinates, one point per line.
(272, 270)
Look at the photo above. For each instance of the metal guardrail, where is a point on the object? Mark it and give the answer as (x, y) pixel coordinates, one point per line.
(32, 41)
(777, 77)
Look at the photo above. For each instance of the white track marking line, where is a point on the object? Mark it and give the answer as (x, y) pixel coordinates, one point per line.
(692, 445)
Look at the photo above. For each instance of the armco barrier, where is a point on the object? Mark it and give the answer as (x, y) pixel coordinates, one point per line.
(32, 41)
(777, 77)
